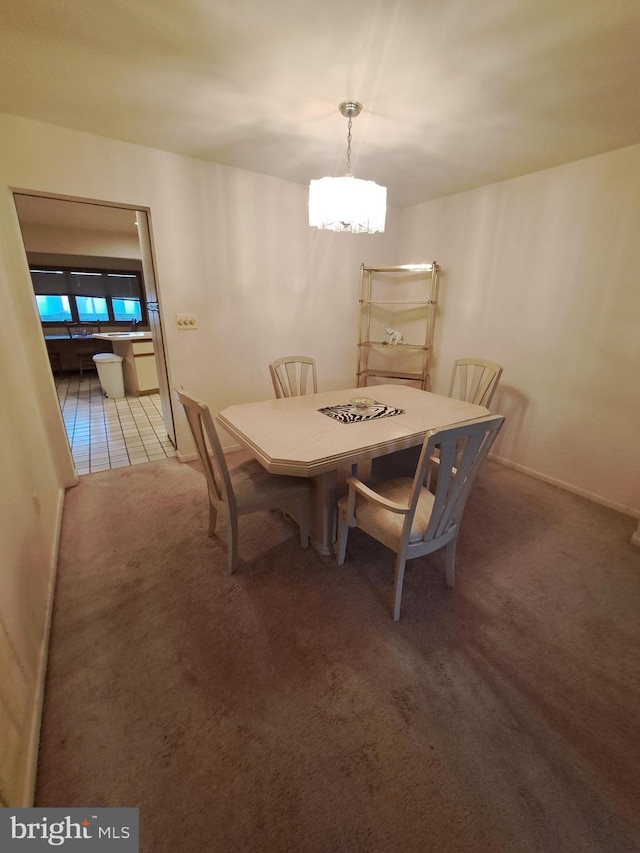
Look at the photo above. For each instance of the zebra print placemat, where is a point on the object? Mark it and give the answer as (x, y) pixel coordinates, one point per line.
(348, 414)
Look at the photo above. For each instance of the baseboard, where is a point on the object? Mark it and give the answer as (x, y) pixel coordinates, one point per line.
(625, 510)
(186, 457)
(192, 457)
(72, 481)
(232, 448)
(38, 703)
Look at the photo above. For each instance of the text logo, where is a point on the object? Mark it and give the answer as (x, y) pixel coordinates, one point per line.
(86, 830)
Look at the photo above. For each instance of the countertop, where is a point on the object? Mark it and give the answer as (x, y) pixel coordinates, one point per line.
(122, 336)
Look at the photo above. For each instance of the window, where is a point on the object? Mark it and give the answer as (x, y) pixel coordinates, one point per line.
(87, 296)
(92, 309)
(126, 309)
(54, 309)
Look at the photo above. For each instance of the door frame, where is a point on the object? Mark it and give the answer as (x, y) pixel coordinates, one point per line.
(152, 295)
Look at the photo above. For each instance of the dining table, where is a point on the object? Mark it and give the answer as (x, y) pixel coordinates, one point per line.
(321, 436)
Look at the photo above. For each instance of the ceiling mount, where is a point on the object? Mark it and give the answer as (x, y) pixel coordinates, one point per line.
(350, 109)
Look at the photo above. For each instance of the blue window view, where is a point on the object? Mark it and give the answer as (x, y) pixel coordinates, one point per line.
(126, 309)
(54, 308)
(91, 308)
(88, 296)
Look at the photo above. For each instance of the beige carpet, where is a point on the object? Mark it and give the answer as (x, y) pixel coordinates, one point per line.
(282, 709)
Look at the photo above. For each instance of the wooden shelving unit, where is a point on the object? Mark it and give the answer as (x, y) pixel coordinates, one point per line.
(402, 298)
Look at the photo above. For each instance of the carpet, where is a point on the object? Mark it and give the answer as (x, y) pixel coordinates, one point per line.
(281, 708)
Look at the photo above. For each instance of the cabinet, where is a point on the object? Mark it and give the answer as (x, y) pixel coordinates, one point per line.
(138, 366)
(401, 299)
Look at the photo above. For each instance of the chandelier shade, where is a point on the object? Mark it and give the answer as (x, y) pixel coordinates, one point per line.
(347, 203)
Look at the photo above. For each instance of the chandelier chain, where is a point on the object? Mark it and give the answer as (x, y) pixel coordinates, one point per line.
(347, 204)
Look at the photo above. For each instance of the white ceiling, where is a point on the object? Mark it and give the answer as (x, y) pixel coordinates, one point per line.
(456, 93)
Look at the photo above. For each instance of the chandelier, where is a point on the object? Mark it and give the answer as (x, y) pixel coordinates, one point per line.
(347, 203)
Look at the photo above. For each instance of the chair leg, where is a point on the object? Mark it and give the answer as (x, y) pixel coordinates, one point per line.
(343, 533)
(213, 519)
(233, 546)
(397, 586)
(450, 564)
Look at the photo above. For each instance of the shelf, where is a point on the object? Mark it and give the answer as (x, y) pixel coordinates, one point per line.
(392, 374)
(397, 302)
(403, 268)
(407, 305)
(389, 346)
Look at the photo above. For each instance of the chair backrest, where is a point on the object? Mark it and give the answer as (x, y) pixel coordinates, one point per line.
(292, 375)
(82, 330)
(460, 452)
(209, 448)
(475, 380)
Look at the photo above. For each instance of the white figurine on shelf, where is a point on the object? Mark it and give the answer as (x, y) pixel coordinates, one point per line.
(395, 337)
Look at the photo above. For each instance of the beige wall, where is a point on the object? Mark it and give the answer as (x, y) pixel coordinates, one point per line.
(231, 247)
(538, 273)
(541, 275)
(34, 464)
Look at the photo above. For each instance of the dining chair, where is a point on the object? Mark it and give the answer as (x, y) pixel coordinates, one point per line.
(475, 380)
(292, 374)
(85, 348)
(246, 488)
(415, 517)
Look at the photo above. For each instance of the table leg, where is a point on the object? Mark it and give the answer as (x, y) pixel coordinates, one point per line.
(326, 489)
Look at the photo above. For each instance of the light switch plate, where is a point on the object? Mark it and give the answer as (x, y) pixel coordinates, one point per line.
(186, 321)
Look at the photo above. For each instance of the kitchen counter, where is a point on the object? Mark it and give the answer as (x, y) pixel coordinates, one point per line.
(138, 360)
(122, 336)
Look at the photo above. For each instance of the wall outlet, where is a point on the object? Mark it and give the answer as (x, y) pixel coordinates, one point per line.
(186, 321)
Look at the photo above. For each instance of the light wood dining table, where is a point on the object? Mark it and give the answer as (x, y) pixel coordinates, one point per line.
(291, 436)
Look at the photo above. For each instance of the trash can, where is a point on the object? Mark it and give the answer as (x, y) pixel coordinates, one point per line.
(109, 367)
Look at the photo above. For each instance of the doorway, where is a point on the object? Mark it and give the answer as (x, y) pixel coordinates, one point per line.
(83, 233)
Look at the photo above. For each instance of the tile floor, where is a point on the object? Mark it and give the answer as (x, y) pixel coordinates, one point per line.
(106, 433)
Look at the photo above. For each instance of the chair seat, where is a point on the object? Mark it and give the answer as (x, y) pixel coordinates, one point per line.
(253, 486)
(390, 523)
(430, 503)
